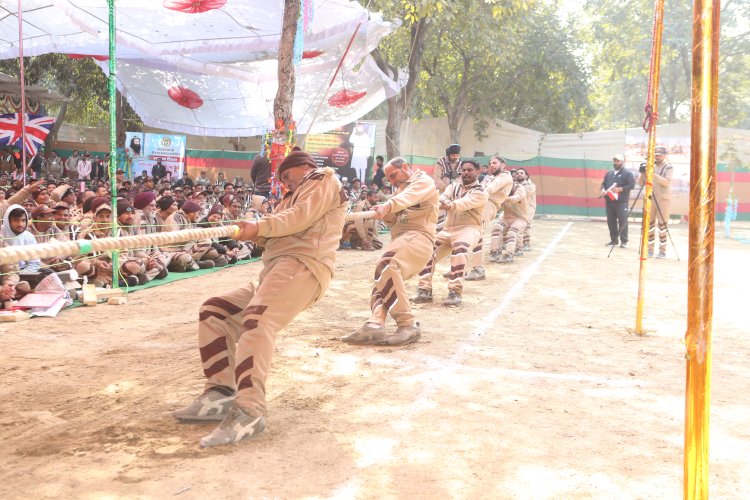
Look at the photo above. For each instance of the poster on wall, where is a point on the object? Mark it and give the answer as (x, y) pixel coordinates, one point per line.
(347, 149)
(170, 149)
(133, 154)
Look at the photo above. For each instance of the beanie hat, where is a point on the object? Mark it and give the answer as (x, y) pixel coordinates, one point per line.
(165, 202)
(143, 199)
(123, 206)
(98, 201)
(216, 209)
(660, 150)
(190, 207)
(296, 159)
(453, 149)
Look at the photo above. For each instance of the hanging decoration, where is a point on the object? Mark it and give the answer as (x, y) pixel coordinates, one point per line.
(194, 6)
(345, 97)
(310, 54)
(277, 144)
(304, 21)
(83, 56)
(37, 128)
(185, 97)
(11, 105)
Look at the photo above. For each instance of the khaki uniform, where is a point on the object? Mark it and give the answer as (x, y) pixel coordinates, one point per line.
(53, 233)
(662, 193)
(509, 229)
(444, 168)
(237, 330)
(463, 227)
(498, 188)
(186, 255)
(530, 188)
(412, 218)
(98, 266)
(365, 230)
(148, 225)
(22, 195)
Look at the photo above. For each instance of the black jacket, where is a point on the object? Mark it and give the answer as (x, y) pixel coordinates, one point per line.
(624, 179)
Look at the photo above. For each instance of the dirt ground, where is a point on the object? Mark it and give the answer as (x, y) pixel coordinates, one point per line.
(533, 388)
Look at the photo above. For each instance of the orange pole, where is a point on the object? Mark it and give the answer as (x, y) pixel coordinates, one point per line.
(652, 112)
(704, 116)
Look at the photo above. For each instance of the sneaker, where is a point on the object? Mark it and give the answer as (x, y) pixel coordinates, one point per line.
(221, 261)
(611, 244)
(206, 264)
(404, 335)
(345, 245)
(495, 256)
(213, 404)
(526, 247)
(454, 299)
(650, 253)
(236, 426)
(129, 281)
(447, 275)
(662, 255)
(507, 258)
(623, 245)
(369, 333)
(476, 274)
(518, 253)
(162, 274)
(423, 296)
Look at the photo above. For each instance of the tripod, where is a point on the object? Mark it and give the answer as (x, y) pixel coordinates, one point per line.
(661, 216)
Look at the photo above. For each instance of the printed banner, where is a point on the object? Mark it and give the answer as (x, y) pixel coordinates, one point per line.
(347, 149)
(143, 150)
(133, 154)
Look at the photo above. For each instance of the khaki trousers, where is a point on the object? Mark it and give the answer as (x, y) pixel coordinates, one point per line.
(476, 259)
(527, 231)
(237, 330)
(663, 220)
(403, 258)
(456, 242)
(508, 232)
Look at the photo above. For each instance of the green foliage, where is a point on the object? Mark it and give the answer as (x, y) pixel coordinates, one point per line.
(619, 42)
(80, 80)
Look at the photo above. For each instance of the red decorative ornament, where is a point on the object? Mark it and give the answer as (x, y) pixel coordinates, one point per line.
(185, 97)
(309, 54)
(194, 6)
(344, 98)
(83, 56)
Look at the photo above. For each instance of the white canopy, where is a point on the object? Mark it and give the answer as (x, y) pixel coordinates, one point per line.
(208, 67)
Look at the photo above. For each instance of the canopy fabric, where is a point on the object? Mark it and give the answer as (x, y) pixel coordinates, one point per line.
(223, 51)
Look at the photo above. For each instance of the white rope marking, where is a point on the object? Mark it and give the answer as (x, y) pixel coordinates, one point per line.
(420, 403)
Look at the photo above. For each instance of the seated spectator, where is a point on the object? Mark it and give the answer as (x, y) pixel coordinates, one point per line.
(362, 233)
(44, 230)
(192, 255)
(167, 206)
(15, 233)
(150, 265)
(19, 197)
(62, 217)
(147, 223)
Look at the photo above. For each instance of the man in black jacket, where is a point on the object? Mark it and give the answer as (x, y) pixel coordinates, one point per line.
(616, 192)
(260, 174)
(159, 171)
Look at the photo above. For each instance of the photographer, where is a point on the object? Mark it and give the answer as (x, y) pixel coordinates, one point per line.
(616, 191)
(661, 200)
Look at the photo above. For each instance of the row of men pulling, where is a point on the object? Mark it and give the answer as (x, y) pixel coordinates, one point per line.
(237, 328)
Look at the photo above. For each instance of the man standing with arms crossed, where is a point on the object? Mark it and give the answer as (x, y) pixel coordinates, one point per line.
(412, 215)
(237, 330)
(463, 204)
(498, 185)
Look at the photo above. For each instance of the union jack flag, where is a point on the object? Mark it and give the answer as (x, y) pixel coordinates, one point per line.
(37, 129)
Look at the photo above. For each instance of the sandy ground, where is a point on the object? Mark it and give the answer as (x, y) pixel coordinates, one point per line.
(533, 388)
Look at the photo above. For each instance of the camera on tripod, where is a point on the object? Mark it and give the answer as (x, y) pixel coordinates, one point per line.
(642, 168)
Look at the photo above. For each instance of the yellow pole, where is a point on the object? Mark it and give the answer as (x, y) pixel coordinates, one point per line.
(652, 111)
(704, 118)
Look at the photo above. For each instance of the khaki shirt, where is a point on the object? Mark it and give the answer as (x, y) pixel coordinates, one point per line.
(530, 188)
(307, 224)
(662, 181)
(498, 188)
(362, 225)
(466, 204)
(414, 207)
(516, 205)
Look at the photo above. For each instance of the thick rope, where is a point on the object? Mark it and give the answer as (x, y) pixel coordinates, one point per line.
(11, 255)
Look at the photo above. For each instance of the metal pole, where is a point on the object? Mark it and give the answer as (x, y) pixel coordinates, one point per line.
(22, 79)
(704, 119)
(112, 167)
(652, 112)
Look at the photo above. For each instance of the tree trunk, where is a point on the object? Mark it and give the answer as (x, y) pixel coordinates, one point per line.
(282, 105)
(393, 127)
(51, 140)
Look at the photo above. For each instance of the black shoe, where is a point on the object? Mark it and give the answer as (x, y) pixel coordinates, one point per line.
(162, 274)
(611, 244)
(624, 244)
(142, 279)
(423, 296)
(206, 264)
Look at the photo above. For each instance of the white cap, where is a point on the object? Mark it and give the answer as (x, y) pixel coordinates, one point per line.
(618, 157)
